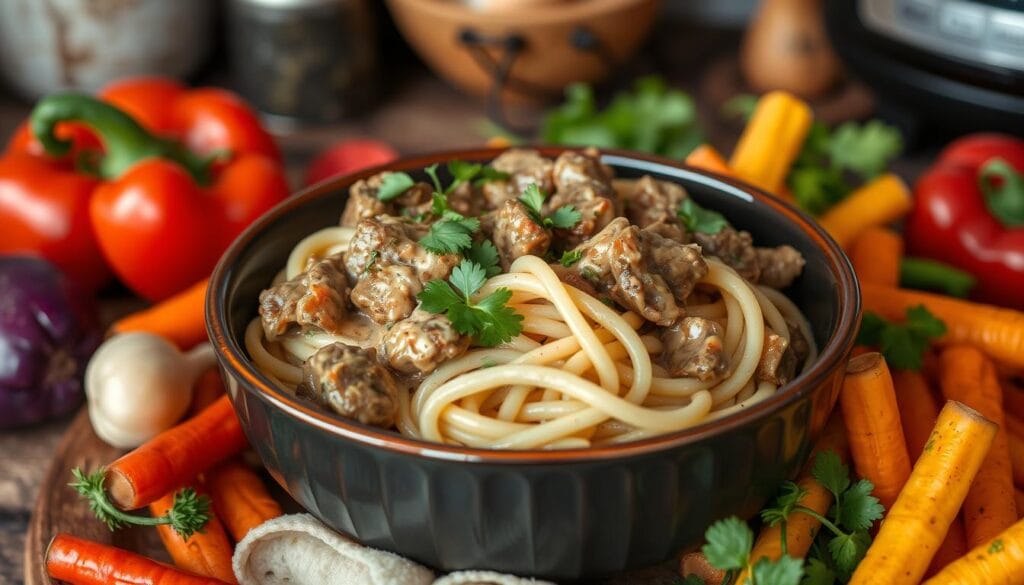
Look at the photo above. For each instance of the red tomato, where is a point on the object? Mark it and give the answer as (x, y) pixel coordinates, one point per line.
(349, 156)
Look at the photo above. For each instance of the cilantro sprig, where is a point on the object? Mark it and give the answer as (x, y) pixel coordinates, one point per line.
(728, 547)
(486, 255)
(453, 232)
(902, 345)
(700, 220)
(489, 320)
(570, 257)
(565, 217)
(393, 185)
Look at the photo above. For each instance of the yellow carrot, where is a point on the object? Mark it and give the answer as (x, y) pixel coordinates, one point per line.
(997, 331)
(772, 140)
(916, 524)
(997, 560)
(877, 203)
(872, 417)
(706, 158)
(876, 255)
(968, 376)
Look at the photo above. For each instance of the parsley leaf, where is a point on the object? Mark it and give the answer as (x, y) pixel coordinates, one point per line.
(490, 321)
(533, 199)
(564, 217)
(785, 571)
(902, 344)
(432, 173)
(393, 185)
(462, 172)
(865, 149)
(570, 257)
(450, 235)
(817, 573)
(790, 496)
(728, 544)
(698, 219)
(486, 255)
(848, 549)
(830, 471)
(491, 174)
(858, 509)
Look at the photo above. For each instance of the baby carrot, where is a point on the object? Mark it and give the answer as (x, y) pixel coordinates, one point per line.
(969, 377)
(872, 418)
(240, 498)
(706, 158)
(180, 318)
(206, 553)
(175, 456)
(997, 560)
(917, 522)
(84, 562)
(876, 255)
(997, 331)
(877, 203)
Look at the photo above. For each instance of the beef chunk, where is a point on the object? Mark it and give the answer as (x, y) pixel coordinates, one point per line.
(573, 169)
(526, 167)
(693, 348)
(573, 278)
(642, 271)
(596, 212)
(363, 202)
(314, 299)
(653, 201)
(422, 342)
(516, 234)
(385, 241)
(734, 248)
(351, 382)
(777, 365)
(387, 294)
(779, 266)
(671, 230)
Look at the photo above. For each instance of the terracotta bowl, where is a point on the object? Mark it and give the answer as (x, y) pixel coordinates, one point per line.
(555, 514)
(550, 44)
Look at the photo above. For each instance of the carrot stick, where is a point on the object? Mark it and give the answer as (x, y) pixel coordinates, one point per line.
(84, 562)
(771, 140)
(802, 528)
(209, 387)
(970, 377)
(876, 255)
(175, 456)
(999, 559)
(706, 158)
(918, 410)
(695, 563)
(877, 203)
(952, 548)
(872, 417)
(996, 331)
(206, 553)
(240, 498)
(180, 318)
(917, 522)
(1016, 450)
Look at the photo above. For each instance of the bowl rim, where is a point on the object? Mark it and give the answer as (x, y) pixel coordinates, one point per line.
(539, 14)
(232, 355)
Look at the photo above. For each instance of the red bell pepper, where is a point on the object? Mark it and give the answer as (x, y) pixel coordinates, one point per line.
(160, 208)
(969, 213)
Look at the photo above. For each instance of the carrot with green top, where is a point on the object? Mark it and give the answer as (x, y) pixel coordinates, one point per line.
(181, 319)
(918, 521)
(872, 417)
(207, 552)
(240, 498)
(969, 377)
(997, 331)
(999, 559)
(876, 256)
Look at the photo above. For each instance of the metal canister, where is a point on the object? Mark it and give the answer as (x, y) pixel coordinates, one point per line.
(303, 60)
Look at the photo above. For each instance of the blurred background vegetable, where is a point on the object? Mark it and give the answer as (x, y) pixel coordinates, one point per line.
(48, 330)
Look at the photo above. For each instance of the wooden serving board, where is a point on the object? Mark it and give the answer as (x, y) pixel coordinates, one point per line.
(59, 508)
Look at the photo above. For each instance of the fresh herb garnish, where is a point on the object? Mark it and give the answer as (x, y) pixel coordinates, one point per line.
(450, 235)
(570, 257)
(565, 217)
(902, 345)
(188, 514)
(393, 185)
(488, 320)
(486, 255)
(700, 220)
(373, 260)
(728, 548)
(489, 175)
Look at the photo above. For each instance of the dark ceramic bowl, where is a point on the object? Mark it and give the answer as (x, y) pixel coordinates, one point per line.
(555, 514)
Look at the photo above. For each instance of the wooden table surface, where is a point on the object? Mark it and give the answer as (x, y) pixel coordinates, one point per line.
(418, 113)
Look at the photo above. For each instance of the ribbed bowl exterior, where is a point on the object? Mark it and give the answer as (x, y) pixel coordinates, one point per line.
(551, 514)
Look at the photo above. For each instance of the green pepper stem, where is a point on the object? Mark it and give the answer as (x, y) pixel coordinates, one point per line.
(125, 141)
(1003, 188)
(923, 274)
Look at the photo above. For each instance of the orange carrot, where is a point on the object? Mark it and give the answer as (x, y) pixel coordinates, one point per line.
(771, 140)
(917, 522)
(695, 563)
(83, 562)
(918, 410)
(997, 331)
(970, 377)
(240, 498)
(175, 456)
(181, 318)
(876, 255)
(706, 158)
(999, 559)
(877, 203)
(952, 548)
(872, 418)
(206, 553)
(209, 387)
(802, 528)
